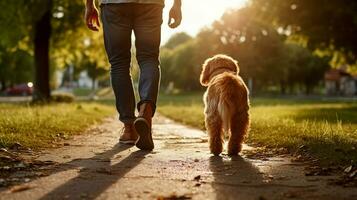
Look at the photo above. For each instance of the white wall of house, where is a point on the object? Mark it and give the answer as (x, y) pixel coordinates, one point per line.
(348, 86)
(85, 81)
(345, 86)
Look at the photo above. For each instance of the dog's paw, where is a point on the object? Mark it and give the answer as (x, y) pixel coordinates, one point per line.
(234, 150)
(216, 153)
(216, 150)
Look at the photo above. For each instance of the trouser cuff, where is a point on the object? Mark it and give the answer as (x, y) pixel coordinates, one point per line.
(127, 120)
(153, 106)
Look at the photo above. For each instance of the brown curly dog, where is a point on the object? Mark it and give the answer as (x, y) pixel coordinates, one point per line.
(226, 103)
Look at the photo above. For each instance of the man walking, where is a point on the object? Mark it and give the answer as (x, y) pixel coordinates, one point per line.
(120, 18)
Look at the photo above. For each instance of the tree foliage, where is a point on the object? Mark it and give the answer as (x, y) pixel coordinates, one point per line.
(177, 39)
(324, 24)
(263, 53)
(15, 67)
(68, 40)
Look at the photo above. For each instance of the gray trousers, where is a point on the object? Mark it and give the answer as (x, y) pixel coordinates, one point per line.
(119, 20)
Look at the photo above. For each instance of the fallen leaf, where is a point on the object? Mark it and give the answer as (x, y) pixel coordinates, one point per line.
(103, 171)
(348, 169)
(197, 178)
(16, 146)
(174, 197)
(353, 174)
(20, 188)
(5, 152)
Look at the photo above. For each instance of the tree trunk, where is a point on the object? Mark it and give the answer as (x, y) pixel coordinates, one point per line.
(41, 55)
(93, 84)
(3, 85)
(282, 88)
(291, 88)
(308, 89)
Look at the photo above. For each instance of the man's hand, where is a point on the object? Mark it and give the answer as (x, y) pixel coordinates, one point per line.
(175, 15)
(91, 16)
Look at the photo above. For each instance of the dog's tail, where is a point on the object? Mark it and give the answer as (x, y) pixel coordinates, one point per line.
(232, 92)
(225, 113)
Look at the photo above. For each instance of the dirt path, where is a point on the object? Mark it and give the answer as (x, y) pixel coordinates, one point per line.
(94, 166)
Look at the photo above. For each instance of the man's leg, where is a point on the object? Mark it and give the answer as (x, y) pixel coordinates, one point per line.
(147, 29)
(117, 26)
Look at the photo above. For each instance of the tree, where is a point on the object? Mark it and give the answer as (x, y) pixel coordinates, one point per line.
(39, 24)
(94, 71)
(41, 41)
(15, 67)
(302, 68)
(255, 44)
(323, 24)
(177, 39)
(186, 67)
(263, 52)
(181, 67)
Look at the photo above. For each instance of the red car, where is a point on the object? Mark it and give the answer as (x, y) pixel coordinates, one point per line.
(24, 89)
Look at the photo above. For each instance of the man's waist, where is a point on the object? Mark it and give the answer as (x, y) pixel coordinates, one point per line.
(161, 2)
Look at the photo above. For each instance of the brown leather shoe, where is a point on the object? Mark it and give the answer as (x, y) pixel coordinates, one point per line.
(143, 125)
(129, 135)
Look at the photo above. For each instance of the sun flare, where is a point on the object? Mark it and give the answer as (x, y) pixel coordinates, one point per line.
(198, 14)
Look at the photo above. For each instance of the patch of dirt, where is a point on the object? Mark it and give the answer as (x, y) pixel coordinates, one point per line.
(17, 167)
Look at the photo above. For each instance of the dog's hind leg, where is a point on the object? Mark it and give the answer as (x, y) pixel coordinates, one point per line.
(215, 132)
(239, 128)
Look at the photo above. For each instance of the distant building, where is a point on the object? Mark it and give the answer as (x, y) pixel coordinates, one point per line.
(340, 82)
(66, 79)
(84, 81)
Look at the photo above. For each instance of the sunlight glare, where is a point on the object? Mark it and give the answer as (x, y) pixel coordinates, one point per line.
(197, 14)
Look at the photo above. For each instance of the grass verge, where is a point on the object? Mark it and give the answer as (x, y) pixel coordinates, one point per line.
(37, 126)
(326, 129)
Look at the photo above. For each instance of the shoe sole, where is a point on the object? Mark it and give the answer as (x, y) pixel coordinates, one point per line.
(145, 141)
(127, 142)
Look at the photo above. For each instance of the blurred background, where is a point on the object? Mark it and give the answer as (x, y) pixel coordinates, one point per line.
(284, 47)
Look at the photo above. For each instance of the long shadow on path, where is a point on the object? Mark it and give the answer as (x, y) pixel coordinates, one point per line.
(233, 177)
(96, 174)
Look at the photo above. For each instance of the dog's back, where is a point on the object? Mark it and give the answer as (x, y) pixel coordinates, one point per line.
(232, 96)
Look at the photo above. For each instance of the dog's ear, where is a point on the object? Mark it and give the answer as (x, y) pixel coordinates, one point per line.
(204, 77)
(236, 65)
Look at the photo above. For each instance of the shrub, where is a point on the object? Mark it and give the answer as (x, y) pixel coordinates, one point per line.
(62, 98)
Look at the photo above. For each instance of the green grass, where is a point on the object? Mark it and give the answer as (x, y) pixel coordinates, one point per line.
(328, 129)
(101, 92)
(38, 125)
(82, 91)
